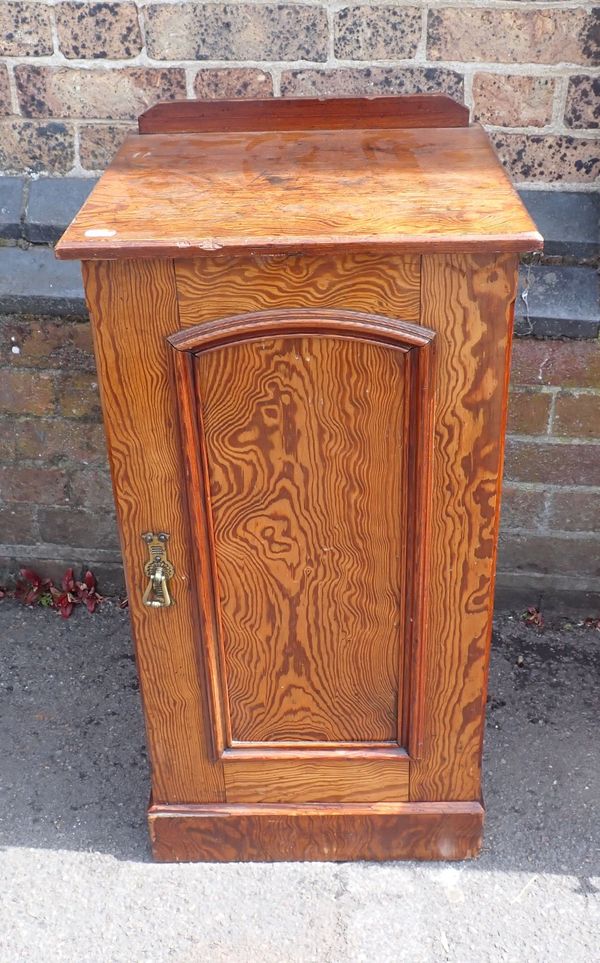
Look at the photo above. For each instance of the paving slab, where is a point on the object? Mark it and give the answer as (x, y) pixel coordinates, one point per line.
(11, 207)
(558, 301)
(52, 204)
(569, 221)
(75, 869)
(32, 281)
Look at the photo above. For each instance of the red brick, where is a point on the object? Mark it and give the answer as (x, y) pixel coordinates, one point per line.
(570, 364)
(67, 526)
(577, 415)
(93, 490)
(98, 144)
(26, 392)
(557, 464)
(574, 511)
(47, 343)
(549, 555)
(529, 412)
(78, 396)
(57, 441)
(18, 525)
(35, 486)
(522, 508)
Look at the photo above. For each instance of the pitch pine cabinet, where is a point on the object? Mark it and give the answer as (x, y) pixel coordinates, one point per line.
(302, 316)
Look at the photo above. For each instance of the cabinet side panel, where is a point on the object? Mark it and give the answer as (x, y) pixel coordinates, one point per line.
(468, 301)
(133, 308)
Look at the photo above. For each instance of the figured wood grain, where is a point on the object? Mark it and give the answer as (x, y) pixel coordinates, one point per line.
(140, 420)
(380, 831)
(317, 780)
(304, 440)
(469, 301)
(214, 287)
(392, 191)
(336, 113)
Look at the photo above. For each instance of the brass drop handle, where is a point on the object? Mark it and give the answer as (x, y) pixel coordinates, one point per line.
(158, 570)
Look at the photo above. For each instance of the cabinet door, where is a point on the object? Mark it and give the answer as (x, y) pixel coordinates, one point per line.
(306, 436)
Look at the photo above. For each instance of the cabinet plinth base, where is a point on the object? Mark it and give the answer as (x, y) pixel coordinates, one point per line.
(280, 832)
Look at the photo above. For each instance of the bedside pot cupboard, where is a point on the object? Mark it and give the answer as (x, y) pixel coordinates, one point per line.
(302, 318)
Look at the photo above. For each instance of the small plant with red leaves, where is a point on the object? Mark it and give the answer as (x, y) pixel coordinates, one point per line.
(533, 617)
(32, 590)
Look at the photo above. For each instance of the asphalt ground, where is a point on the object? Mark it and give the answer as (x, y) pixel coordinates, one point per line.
(77, 883)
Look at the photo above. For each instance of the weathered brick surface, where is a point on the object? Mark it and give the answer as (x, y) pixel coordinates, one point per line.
(577, 415)
(574, 511)
(31, 342)
(25, 29)
(232, 83)
(545, 36)
(359, 81)
(572, 364)
(78, 396)
(98, 143)
(513, 65)
(34, 485)
(513, 101)
(98, 30)
(522, 508)
(56, 497)
(529, 412)
(36, 147)
(18, 524)
(109, 94)
(5, 100)
(583, 102)
(58, 441)
(365, 32)
(552, 463)
(548, 555)
(533, 157)
(236, 31)
(26, 392)
(70, 526)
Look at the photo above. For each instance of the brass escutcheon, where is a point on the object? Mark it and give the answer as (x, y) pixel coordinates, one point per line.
(158, 570)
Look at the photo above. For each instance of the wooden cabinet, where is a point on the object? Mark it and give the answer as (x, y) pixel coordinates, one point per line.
(302, 315)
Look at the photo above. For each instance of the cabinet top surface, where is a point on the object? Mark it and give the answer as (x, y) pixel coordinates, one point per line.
(399, 190)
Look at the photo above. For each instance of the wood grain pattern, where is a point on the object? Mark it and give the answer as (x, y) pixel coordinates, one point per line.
(141, 428)
(214, 287)
(381, 831)
(270, 356)
(336, 113)
(306, 484)
(392, 191)
(469, 301)
(317, 780)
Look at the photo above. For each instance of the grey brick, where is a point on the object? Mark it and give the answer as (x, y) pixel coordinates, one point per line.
(11, 206)
(53, 203)
(562, 302)
(34, 282)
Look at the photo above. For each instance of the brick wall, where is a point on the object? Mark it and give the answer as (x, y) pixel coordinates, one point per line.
(74, 75)
(57, 506)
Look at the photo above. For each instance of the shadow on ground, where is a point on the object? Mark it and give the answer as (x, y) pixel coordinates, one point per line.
(74, 770)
